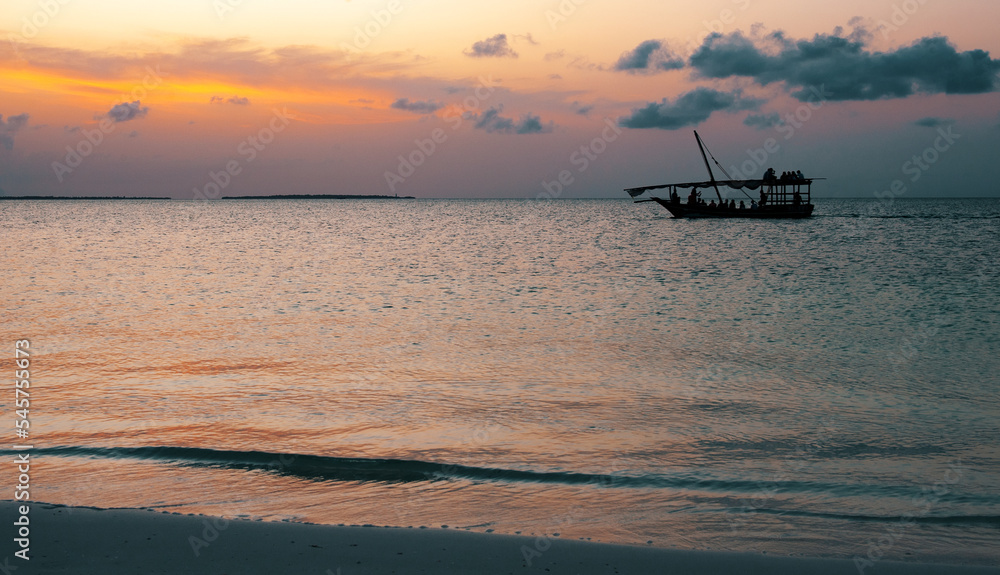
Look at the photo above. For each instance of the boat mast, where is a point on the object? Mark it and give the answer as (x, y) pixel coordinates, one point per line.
(707, 166)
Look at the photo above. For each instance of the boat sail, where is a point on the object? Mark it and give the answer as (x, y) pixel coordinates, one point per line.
(786, 197)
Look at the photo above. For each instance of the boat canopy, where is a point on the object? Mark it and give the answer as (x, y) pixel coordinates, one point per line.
(734, 184)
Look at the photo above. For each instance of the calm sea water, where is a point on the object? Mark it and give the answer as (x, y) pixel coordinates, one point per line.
(592, 369)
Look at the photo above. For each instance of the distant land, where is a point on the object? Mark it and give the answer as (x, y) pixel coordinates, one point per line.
(275, 197)
(318, 197)
(77, 198)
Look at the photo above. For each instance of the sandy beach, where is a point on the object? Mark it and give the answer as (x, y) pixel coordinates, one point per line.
(86, 540)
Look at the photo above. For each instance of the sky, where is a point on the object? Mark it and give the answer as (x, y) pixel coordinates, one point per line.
(513, 99)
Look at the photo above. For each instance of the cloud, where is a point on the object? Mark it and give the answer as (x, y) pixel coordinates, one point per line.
(237, 100)
(526, 37)
(495, 47)
(10, 128)
(531, 124)
(492, 122)
(417, 106)
(845, 68)
(133, 133)
(234, 61)
(932, 122)
(244, 65)
(762, 121)
(689, 109)
(649, 56)
(127, 111)
(557, 55)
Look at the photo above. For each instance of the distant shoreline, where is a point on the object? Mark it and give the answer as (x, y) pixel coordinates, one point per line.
(274, 197)
(77, 198)
(319, 197)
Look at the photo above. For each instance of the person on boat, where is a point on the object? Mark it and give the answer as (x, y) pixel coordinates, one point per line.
(799, 175)
(693, 197)
(711, 205)
(742, 205)
(769, 175)
(753, 205)
(796, 199)
(763, 197)
(674, 198)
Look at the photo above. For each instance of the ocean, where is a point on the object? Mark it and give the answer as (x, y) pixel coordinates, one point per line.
(578, 369)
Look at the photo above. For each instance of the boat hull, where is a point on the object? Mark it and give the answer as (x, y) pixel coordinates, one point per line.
(767, 212)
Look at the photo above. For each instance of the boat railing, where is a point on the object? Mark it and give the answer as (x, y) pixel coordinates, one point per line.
(782, 192)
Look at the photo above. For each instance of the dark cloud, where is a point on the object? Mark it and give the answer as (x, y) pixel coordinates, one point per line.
(649, 56)
(237, 100)
(532, 124)
(689, 109)
(127, 111)
(845, 68)
(9, 128)
(526, 37)
(495, 47)
(931, 122)
(417, 106)
(491, 121)
(762, 121)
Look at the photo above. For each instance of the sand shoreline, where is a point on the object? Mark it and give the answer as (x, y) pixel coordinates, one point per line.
(86, 540)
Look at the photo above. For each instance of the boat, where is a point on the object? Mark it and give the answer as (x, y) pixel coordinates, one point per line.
(780, 197)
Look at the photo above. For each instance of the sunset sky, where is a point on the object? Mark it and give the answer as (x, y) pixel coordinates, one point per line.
(440, 98)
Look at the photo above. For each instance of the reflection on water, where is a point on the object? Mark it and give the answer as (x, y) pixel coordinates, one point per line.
(788, 386)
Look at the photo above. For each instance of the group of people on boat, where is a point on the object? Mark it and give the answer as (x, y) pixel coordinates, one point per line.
(796, 176)
(695, 200)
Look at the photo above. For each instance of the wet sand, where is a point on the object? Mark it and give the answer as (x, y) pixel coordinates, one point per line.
(85, 540)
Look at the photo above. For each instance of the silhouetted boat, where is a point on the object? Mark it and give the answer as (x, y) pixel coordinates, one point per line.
(785, 198)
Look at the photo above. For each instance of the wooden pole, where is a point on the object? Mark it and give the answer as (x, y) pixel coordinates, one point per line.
(707, 166)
